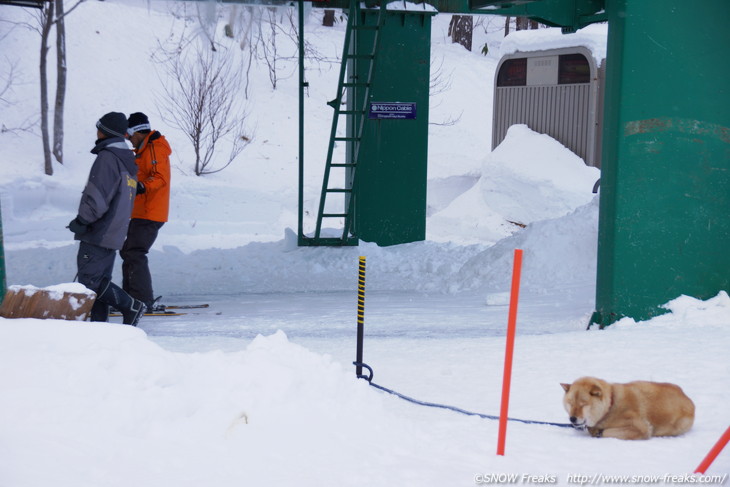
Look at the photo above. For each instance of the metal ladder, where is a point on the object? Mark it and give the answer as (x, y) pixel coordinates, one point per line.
(347, 87)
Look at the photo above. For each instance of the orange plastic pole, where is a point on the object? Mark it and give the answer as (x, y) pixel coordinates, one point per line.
(714, 452)
(511, 325)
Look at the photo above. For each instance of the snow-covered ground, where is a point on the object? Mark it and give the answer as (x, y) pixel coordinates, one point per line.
(259, 388)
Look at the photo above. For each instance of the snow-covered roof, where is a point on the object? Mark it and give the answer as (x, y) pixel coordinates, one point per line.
(592, 37)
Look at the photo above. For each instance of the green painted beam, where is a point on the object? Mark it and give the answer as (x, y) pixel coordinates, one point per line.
(570, 15)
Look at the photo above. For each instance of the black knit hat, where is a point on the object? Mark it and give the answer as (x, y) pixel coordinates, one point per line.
(113, 124)
(138, 122)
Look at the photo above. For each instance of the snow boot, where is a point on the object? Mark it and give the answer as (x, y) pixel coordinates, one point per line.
(99, 311)
(131, 309)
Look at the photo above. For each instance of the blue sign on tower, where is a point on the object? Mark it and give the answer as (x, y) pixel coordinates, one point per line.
(392, 110)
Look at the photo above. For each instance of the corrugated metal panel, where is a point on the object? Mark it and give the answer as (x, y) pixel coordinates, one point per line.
(562, 111)
(569, 112)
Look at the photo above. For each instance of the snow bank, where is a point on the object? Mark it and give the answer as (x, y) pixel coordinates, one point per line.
(557, 252)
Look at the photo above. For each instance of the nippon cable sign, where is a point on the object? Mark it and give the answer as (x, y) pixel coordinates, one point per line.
(392, 110)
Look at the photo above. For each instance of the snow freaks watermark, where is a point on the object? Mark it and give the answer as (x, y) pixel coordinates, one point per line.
(598, 479)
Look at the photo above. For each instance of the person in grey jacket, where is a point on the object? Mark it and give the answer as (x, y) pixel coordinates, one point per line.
(103, 217)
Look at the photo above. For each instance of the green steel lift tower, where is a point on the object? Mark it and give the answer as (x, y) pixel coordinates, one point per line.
(664, 224)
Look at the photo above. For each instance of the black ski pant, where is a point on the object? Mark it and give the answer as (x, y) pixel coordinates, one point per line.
(136, 277)
(95, 265)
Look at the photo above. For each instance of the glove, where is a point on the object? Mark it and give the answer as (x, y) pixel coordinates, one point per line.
(78, 226)
(140, 187)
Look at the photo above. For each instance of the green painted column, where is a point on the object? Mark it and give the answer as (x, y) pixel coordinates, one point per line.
(390, 188)
(664, 226)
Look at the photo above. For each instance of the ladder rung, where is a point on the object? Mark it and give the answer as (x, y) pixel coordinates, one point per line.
(343, 164)
(347, 139)
(334, 215)
(339, 190)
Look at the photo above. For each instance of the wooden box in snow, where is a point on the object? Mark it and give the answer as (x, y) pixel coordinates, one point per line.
(71, 301)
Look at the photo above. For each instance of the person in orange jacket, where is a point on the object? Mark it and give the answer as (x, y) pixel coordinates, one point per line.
(151, 206)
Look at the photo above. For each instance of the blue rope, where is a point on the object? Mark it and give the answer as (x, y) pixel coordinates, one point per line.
(450, 408)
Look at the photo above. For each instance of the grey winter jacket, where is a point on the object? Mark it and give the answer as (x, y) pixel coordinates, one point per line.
(108, 198)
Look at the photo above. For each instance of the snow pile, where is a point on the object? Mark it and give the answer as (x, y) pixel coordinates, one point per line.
(113, 397)
(531, 177)
(686, 309)
(527, 178)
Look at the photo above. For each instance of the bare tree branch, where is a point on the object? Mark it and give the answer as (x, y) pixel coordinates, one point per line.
(8, 83)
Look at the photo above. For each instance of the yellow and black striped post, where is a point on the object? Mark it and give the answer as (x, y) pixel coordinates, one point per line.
(360, 315)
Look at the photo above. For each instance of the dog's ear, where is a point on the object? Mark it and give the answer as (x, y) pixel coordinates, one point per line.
(566, 387)
(596, 391)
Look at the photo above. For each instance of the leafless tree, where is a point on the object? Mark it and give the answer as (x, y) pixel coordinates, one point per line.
(521, 23)
(53, 13)
(6, 82)
(200, 96)
(46, 18)
(7, 79)
(61, 70)
(440, 82)
(10, 76)
(259, 30)
(268, 44)
(461, 29)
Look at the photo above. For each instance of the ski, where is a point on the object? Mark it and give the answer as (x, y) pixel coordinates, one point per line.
(158, 307)
(165, 309)
(154, 313)
(181, 306)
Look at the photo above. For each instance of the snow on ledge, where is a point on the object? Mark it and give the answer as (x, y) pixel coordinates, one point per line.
(400, 5)
(55, 292)
(592, 37)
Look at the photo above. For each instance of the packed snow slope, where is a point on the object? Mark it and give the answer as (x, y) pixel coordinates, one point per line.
(259, 390)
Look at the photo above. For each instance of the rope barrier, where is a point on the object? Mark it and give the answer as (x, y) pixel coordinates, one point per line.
(450, 408)
(360, 365)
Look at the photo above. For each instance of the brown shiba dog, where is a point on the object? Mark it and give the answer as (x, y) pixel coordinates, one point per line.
(633, 411)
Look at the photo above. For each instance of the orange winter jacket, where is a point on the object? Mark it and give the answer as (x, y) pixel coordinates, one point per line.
(153, 163)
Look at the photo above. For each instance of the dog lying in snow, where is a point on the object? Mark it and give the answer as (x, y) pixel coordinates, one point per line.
(633, 411)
